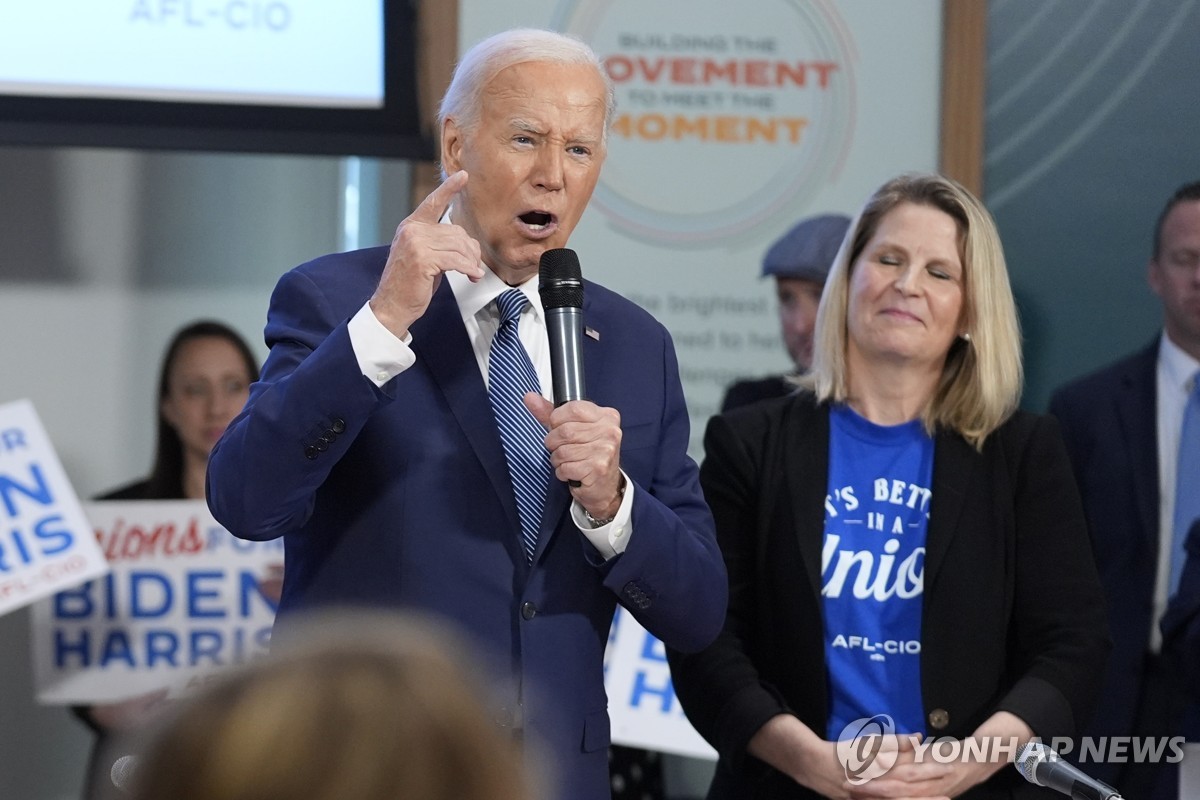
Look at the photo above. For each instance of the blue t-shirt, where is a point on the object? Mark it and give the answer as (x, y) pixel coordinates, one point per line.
(873, 569)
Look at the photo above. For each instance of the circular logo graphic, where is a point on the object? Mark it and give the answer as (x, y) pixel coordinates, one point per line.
(865, 749)
(724, 119)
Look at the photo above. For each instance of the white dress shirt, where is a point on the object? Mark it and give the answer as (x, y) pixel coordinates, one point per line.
(382, 356)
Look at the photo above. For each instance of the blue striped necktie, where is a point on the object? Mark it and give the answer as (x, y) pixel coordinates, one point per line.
(1187, 480)
(510, 376)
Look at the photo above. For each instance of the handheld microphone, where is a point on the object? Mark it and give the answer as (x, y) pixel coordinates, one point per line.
(122, 773)
(560, 285)
(1043, 767)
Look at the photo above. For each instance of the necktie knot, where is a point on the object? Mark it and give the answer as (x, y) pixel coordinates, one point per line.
(511, 303)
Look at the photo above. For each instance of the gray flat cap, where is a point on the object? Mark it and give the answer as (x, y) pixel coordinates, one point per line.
(808, 249)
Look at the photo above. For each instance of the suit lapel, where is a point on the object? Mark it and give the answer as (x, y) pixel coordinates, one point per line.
(442, 345)
(1137, 412)
(558, 497)
(806, 458)
(954, 465)
(806, 479)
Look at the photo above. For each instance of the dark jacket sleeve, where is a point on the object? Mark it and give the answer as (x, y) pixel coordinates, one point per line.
(1181, 622)
(673, 553)
(262, 476)
(1059, 634)
(720, 687)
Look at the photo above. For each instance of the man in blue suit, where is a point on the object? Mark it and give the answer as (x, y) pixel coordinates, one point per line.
(372, 446)
(1122, 426)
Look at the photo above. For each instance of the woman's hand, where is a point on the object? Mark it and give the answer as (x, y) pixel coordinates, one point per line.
(892, 767)
(921, 776)
(791, 747)
(938, 771)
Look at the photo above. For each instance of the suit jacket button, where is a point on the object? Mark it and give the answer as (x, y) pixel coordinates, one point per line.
(338, 425)
(321, 444)
(310, 452)
(939, 718)
(329, 435)
(528, 610)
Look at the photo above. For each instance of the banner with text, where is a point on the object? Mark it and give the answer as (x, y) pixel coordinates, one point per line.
(184, 598)
(45, 543)
(642, 705)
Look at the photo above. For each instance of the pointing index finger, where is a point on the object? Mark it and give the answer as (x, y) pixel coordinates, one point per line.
(434, 206)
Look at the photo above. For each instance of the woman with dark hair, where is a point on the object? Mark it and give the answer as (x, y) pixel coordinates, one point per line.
(203, 383)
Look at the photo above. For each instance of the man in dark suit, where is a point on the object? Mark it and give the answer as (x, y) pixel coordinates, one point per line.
(1122, 426)
(798, 261)
(384, 441)
(1181, 625)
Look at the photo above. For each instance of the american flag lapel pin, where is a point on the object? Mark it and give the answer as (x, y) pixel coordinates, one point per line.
(591, 333)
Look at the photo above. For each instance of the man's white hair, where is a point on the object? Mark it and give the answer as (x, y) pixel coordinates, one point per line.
(463, 100)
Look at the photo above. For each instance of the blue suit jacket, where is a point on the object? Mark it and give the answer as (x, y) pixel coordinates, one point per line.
(400, 497)
(1109, 424)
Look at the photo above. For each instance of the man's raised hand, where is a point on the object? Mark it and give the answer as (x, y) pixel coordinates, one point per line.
(421, 251)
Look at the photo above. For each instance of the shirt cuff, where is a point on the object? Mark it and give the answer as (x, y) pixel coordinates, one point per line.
(611, 539)
(381, 356)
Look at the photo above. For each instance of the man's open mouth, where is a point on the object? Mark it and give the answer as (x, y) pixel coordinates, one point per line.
(536, 219)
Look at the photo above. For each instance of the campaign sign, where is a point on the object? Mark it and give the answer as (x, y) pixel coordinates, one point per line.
(184, 598)
(642, 705)
(45, 539)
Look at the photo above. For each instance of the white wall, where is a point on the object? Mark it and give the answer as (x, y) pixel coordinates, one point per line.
(105, 253)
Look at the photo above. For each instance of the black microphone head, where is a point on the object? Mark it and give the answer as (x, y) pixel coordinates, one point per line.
(560, 281)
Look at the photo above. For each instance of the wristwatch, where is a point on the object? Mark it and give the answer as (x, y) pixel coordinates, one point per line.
(600, 523)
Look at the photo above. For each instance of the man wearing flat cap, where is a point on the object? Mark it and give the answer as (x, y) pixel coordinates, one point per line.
(799, 262)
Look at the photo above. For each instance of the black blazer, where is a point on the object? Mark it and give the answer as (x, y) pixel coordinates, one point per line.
(1012, 611)
(745, 392)
(1109, 424)
(1181, 626)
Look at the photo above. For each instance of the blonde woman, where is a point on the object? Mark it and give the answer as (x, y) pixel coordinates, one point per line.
(906, 552)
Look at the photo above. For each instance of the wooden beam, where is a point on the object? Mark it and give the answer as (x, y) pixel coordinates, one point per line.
(964, 72)
(437, 53)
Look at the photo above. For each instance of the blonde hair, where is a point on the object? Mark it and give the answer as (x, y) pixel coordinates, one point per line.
(365, 708)
(981, 379)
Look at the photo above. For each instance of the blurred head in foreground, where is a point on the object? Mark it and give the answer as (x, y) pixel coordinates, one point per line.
(367, 707)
